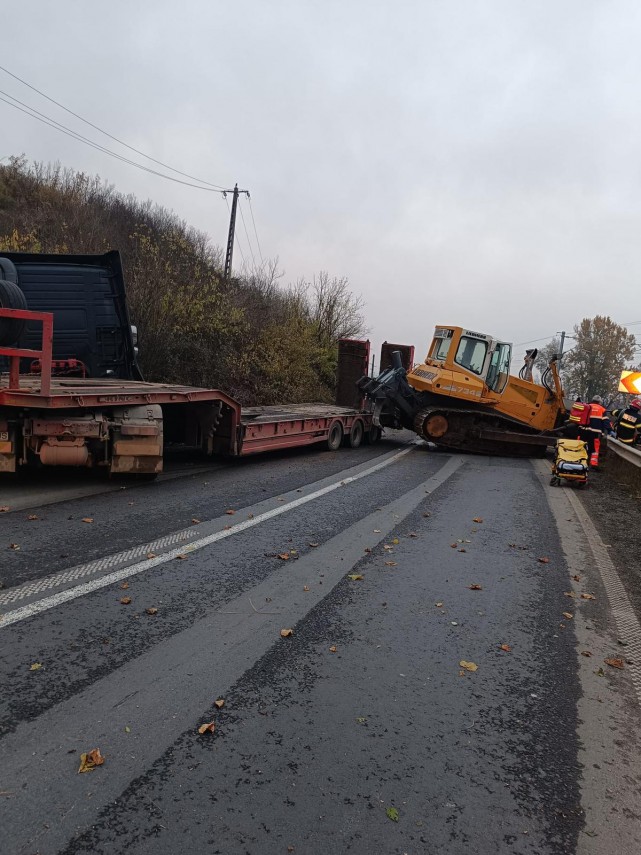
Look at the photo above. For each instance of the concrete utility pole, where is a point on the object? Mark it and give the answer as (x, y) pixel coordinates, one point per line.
(562, 334)
(232, 228)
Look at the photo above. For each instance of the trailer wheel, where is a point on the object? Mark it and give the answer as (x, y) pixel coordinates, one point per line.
(373, 435)
(356, 434)
(335, 436)
(11, 297)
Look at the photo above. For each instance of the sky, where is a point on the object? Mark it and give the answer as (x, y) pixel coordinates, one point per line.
(471, 162)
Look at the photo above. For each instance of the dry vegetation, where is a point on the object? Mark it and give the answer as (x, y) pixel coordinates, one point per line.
(259, 341)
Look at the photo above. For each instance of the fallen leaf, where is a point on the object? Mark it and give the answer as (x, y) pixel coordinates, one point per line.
(412, 534)
(36, 666)
(438, 605)
(356, 577)
(195, 521)
(305, 587)
(181, 557)
(124, 586)
(230, 512)
(462, 550)
(285, 633)
(588, 597)
(392, 814)
(152, 610)
(151, 555)
(127, 729)
(332, 649)
(569, 594)
(576, 577)
(220, 703)
(468, 666)
(314, 545)
(14, 546)
(543, 560)
(90, 760)
(32, 517)
(427, 515)
(284, 556)
(87, 519)
(586, 653)
(390, 563)
(377, 531)
(210, 726)
(361, 719)
(478, 519)
(453, 545)
(475, 587)
(125, 600)
(568, 615)
(506, 647)
(395, 540)
(615, 663)
(5, 509)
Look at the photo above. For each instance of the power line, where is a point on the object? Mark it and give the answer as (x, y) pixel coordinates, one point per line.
(58, 126)
(533, 340)
(106, 133)
(251, 211)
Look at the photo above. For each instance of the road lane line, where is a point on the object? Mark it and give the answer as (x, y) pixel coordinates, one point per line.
(27, 611)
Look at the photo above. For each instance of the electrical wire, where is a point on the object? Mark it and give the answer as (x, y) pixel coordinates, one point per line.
(242, 216)
(107, 134)
(57, 126)
(251, 211)
(533, 340)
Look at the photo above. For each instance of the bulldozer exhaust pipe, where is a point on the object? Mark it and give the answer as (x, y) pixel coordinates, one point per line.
(397, 360)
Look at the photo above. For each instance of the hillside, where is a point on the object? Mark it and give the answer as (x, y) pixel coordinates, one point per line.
(257, 340)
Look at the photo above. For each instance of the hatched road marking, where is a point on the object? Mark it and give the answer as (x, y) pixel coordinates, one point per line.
(56, 580)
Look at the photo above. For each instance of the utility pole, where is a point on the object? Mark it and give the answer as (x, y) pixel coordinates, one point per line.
(232, 228)
(562, 334)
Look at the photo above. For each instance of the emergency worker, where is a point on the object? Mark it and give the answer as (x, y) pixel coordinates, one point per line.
(597, 425)
(628, 422)
(579, 417)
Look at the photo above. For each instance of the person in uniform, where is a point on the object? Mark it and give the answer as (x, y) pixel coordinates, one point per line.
(628, 422)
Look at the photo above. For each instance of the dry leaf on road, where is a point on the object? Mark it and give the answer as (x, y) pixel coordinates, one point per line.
(305, 587)
(356, 577)
(314, 545)
(438, 605)
(395, 540)
(586, 653)
(90, 760)
(14, 546)
(588, 597)
(284, 556)
(468, 666)
(569, 594)
(390, 563)
(125, 600)
(576, 577)
(4, 509)
(32, 517)
(478, 519)
(453, 545)
(124, 586)
(568, 615)
(506, 647)
(181, 557)
(220, 703)
(152, 610)
(195, 521)
(151, 555)
(230, 512)
(543, 560)
(209, 727)
(36, 666)
(475, 587)
(285, 633)
(332, 649)
(87, 519)
(615, 663)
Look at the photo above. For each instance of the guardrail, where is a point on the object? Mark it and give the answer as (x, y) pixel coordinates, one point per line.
(624, 462)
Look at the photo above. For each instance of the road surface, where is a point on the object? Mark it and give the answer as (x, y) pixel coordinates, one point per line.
(444, 688)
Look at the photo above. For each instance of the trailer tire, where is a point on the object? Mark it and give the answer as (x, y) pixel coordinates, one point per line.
(11, 297)
(335, 436)
(373, 435)
(356, 434)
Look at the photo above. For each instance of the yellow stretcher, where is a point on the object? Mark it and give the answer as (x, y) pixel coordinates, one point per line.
(570, 462)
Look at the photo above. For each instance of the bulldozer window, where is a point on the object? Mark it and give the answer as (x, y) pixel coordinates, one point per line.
(499, 370)
(440, 348)
(471, 354)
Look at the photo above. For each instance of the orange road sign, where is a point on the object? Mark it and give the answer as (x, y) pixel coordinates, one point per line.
(630, 382)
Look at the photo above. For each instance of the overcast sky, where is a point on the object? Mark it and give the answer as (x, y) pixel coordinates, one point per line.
(474, 162)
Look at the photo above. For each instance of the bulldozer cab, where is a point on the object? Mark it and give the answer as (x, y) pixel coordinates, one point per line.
(461, 350)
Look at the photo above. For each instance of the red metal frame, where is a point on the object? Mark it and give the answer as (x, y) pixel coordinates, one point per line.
(15, 354)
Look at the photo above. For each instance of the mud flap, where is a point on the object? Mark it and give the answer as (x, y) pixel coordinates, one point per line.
(137, 440)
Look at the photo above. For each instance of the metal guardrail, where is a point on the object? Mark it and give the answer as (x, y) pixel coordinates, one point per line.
(625, 452)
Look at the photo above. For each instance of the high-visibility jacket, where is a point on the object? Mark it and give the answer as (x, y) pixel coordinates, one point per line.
(598, 422)
(580, 414)
(627, 425)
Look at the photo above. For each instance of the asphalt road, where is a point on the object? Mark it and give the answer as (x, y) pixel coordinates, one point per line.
(434, 695)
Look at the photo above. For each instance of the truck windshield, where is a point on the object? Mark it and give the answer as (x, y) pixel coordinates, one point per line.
(471, 354)
(499, 370)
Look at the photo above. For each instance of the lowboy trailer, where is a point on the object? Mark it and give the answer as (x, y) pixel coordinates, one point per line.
(55, 413)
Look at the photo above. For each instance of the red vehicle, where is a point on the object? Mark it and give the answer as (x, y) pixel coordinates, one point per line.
(72, 393)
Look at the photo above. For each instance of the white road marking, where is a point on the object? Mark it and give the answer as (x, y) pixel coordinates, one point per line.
(16, 615)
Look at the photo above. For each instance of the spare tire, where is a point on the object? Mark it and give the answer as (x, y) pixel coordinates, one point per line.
(11, 297)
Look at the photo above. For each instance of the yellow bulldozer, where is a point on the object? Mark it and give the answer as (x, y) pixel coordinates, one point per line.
(463, 396)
